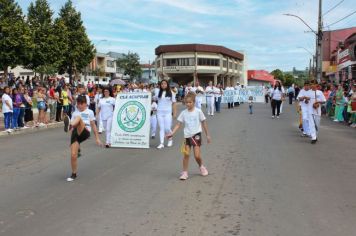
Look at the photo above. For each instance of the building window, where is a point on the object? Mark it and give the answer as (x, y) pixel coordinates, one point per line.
(110, 64)
(208, 62)
(225, 64)
(230, 65)
(158, 63)
(179, 62)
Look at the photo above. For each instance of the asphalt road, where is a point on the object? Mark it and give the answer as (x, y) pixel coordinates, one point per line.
(264, 180)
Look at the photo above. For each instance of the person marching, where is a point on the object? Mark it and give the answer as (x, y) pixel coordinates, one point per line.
(304, 99)
(210, 99)
(193, 119)
(105, 113)
(277, 95)
(250, 104)
(166, 107)
(317, 98)
(153, 119)
(82, 122)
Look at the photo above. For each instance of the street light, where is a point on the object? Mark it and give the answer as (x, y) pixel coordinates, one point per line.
(305, 23)
(319, 36)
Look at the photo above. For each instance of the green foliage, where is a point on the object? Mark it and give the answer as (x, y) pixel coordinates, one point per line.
(278, 75)
(288, 80)
(80, 51)
(49, 37)
(15, 38)
(130, 63)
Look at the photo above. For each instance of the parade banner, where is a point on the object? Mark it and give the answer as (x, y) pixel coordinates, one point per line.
(131, 120)
(242, 95)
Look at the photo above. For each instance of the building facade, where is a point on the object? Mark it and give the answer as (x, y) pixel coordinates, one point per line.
(333, 42)
(346, 60)
(260, 78)
(200, 63)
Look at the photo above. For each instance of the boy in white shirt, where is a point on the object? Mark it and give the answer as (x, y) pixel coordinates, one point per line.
(82, 122)
(193, 119)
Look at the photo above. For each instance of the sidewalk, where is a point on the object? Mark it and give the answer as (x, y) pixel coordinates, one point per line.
(31, 129)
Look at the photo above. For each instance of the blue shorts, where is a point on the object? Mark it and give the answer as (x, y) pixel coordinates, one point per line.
(41, 105)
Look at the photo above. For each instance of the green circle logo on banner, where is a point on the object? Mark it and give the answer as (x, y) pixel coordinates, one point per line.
(131, 116)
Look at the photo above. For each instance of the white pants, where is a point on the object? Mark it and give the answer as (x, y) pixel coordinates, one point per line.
(314, 125)
(305, 122)
(100, 125)
(107, 126)
(165, 125)
(211, 104)
(153, 125)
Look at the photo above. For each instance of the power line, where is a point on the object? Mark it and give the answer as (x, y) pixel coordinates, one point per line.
(341, 19)
(333, 7)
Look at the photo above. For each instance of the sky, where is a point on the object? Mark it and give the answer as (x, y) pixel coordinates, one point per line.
(269, 39)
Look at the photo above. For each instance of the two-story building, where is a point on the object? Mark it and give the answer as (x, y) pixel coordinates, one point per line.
(200, 62)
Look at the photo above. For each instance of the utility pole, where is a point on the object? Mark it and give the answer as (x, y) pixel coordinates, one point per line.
(310, 68)
(319, 39)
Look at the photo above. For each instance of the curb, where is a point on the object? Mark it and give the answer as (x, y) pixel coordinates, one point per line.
(32, 129)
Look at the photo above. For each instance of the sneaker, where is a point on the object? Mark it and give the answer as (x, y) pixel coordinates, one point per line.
(304, 135)
(9, 130)
(72, 177)
(160, 146)
(153, 137)
(336, 121)
(184, 175)
(170, 143)
(314, 141)
(107, 145)
(66, 124)
(203, 171)
(272, 117)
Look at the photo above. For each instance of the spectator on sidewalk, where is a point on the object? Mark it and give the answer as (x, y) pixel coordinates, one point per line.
(28, 109)
(7, 109)
(52, 103)
(20, 120)
(340, 104)
(41, 106)
(17, 101)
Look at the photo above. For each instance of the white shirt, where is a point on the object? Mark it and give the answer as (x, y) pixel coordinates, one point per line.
(165, 103)
(5, 109)
(217, 92)
(192, 121)
(106, 106)
(97, 98)
(319, 98)
(189, 89)
(209, 91)
(303, 105)
(277, 94)
(87, 115)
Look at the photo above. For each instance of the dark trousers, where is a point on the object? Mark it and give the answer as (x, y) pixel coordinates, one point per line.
(276, 104)
(58, 112)
(230, 105)
(291, 96)
(217, 104)
(266, 98)
(20, 118)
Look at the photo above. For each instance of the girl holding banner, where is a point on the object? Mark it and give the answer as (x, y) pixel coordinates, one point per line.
(166, 107)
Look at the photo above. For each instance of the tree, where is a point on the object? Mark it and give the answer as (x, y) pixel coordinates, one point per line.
(278, 75)
(15, 38)
(49, 37)
(80, 51)
(288, 80)
(130, 63)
